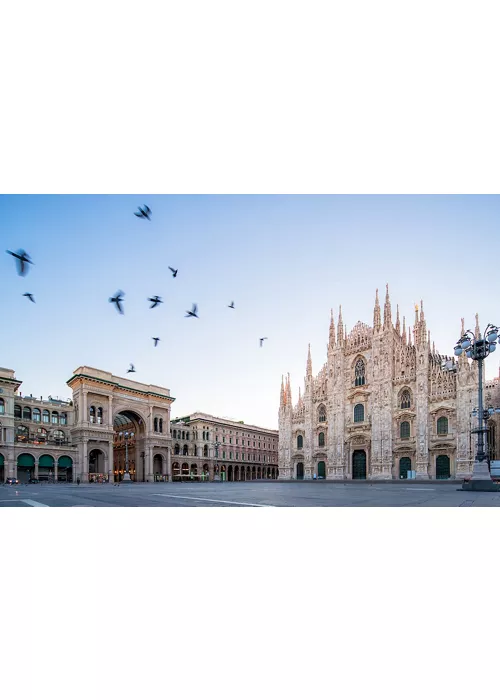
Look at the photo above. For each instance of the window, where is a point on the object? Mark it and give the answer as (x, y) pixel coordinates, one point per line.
(237, 455)
(405, 399)
(161, 425)
(204, 435)
(300, 442)
(230, 455)
(92, 414)
(63, 419)
(45, 417)
(99, 416)
(22, 434)
(359, 373)
(37, 416)
(223, 455)
(185, 450)
(187, 435)
(230, 441)
(442, 426)
(155, 424)
(26, 413)
(57, 436)
(17, 411)
(404, 429)
(183, 434)
(321, 439)
(205, 451)
(321, 414)
(236, 440)
(55, 418)
(359, 413)
(2, 406)
(223, 439)
(177, 450)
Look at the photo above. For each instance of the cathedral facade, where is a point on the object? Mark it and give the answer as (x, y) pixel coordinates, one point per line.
(385, 405)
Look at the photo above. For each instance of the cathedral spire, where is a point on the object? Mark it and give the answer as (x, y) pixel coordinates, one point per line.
(376, 314)
(404, 330)
(462, 332)
(433, 345)
(398, 325)
(300, 398)
(332, 330)
(409, 335)
(289, 391)
(282, 393)
(387, 309)
(340, 328)
(309, 370)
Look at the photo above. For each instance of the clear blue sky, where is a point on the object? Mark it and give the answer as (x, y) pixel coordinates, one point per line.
(284, 260)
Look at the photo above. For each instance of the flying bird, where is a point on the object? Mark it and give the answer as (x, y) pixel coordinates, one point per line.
(132, 368)
(22, 260)
(143, 213)
(174, 272)
(155, 301)
(192, 312)
(117, 300)
(262, 341)
(156, 341)
(231, 305)
(30, 297)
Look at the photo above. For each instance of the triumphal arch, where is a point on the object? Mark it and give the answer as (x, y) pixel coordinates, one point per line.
(120, 427)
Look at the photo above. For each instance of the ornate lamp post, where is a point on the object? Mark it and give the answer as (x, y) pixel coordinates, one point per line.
(478, 348)
(216, 446)
(126, 476)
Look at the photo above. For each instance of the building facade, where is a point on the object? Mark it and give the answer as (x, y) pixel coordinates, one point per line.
(205, 446)
(385, 405)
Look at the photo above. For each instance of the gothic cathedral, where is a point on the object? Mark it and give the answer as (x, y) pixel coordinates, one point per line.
(385, 405)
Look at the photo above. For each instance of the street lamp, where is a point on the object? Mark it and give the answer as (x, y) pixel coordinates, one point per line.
(216, 446)
(478, 348)
(126, 476)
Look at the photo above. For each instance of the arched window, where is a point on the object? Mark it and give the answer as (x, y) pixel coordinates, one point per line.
(156, 425)
(45, 417)
(300, 442)
(99, 416)
(174, 434)
(160, 425)
(208, 435)
(187, 435)
(55, 418)
(404, 429)
(63, 419)
(92, 414)
(185, 450)
(405, 399)
(2, 406)
(442, 426)
(22, 433)
(359, 413)
(41, 436)
(37, 416)
(177, 450)
(18, 411)
(195, 451)
(57, 436)
(321, 439)
(26, 413)
(183, 434)
(359, 373)
(321, 414)
(205, 451)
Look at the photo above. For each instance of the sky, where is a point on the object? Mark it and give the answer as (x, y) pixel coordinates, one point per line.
(285, 261)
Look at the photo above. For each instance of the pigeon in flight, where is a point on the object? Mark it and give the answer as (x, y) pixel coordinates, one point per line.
(143, 213)
(174, 272)
(262, 341)
(132, 368)
(117, 299)
(155, 301)
(30, 297)
(156, 341)
(231, 305)
(22, 260)
(192, 312)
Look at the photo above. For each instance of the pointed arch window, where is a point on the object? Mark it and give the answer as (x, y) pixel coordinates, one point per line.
(404, 429)
(321, 414)
(442, 426)
(359, 373)
(359, 413)
(321, 440)
(405, 399)
(300, 442)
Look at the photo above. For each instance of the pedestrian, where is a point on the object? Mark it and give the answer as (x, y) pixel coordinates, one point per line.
(78, 481)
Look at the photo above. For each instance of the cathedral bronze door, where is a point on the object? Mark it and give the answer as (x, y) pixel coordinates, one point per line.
(443, 467)
(300, 470)
(321, 470)
(359, 464)
(404, 467)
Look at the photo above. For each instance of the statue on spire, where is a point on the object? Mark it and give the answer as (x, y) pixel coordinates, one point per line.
(332, 330)
(289, 391)
(376, 314)
(282, 393)
(309, 370)
(398, 325)
(387, 310)
(340, 328)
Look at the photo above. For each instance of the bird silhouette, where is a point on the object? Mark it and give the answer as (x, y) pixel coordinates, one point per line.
(22, 260)
(193, 312)
(132, 368)
(30, 297)
(156, 340)
(231, 305)
(262, 341)
(155, 301)
(143, 213)
(117, 300)
(174, 272)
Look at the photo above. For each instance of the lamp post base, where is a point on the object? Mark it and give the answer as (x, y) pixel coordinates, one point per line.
(481, 479)
(126, 479)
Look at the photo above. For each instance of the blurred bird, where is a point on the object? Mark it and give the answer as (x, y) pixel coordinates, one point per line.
(156, 300)
(193, 311)
(174, 272)
(132, 368)
(156, 341)
(262, 341)
(117, 300)
(30, 297)
(22, 260)
(143, 213)
(231, 305)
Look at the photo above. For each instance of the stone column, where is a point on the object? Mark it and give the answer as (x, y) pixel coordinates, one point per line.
(55, 471)
(84, 417)
(169, 464)
(36, 468)
(84, 466)
(110, 412)
(111, 467)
